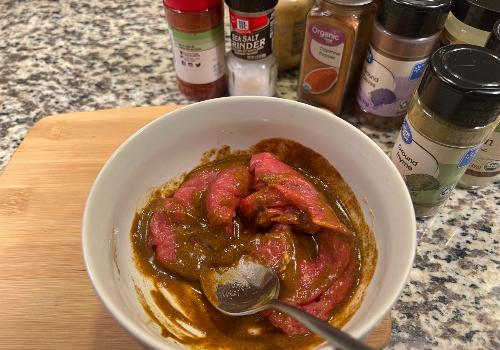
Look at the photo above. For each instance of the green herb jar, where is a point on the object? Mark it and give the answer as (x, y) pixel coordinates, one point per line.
(452, 113)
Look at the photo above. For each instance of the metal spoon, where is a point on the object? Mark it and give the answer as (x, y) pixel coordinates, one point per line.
(249, 287)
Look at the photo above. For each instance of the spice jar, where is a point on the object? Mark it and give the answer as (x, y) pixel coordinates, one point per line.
(289, 31)
(485, 169)
(335, 44)
(197, 33)
(494, 40)
(251, 64)
(404, 36)
(453, 112)
(470, 22)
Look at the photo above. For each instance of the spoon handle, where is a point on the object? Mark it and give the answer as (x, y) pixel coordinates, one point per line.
(333, 335)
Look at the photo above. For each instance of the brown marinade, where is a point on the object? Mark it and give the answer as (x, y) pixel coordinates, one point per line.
(226, 332)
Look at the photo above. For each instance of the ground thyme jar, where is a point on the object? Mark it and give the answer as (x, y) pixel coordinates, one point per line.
(404, 36)
(453, 112)
(197, 33)
(335, 43)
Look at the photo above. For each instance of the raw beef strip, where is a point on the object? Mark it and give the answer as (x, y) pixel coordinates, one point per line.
(267, 197)
(323, 305)
(177, 210)
(295, 188)
(224, 194)
(185, 194)
(317, 275)
(275, 248)
(321, 308)
(268, 206)
(162, 237)
(288, 214)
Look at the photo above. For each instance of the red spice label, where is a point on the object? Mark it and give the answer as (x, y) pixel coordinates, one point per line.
(252, 37)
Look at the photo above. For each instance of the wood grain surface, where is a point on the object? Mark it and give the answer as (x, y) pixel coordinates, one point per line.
(46, 298)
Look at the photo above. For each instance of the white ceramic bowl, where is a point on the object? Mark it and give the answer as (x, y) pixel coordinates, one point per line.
(174, 143)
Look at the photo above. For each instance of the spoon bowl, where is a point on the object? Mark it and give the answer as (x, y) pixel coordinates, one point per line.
(243, 289)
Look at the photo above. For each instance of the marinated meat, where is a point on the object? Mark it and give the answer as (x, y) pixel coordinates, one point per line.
(274, 249)
(265, 209)
(224, 194)
(162, 237)
(295, 188)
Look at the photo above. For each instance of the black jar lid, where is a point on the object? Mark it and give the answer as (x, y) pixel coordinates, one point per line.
(413, 18)
(462, 85)
(480, 14)
(494, 40)
(251, 5)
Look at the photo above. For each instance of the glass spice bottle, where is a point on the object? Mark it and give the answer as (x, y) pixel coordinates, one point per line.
(335, 43)
(251, 64)
(470, 22)
(197, 33)
(453, 112)
(485, 169)
(289, 31)
(404, 36)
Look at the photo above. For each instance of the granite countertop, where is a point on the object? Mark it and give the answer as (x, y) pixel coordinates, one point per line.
(57, 57)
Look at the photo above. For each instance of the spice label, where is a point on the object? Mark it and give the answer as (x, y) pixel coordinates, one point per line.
(430, 170)
(326, 46)
(199, 57)
(387, 85)
(487, 162)
(251, 37)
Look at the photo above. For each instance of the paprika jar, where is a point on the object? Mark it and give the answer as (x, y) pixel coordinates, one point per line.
(197, 33)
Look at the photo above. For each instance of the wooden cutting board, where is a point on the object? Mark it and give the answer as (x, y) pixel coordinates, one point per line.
(46, 298)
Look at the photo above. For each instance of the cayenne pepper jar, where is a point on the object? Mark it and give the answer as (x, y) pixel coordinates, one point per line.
(197, 33)
(335, 43)
(252, 66)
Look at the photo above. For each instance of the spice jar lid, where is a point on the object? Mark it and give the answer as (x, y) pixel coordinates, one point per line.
(494, 40)
(462, 85)
(190, 6)
(251, 6)
(480, 14)
(413, 18)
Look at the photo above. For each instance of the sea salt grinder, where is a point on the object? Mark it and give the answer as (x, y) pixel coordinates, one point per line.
(251, 64)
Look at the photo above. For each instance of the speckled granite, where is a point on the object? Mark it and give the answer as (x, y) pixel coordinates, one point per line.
(62, 56)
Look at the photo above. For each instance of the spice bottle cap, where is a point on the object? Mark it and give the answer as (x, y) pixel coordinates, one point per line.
(494, 40)
(462, 85)
(191, 5)
(480, 14)
(413, 18)
(251, 6)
